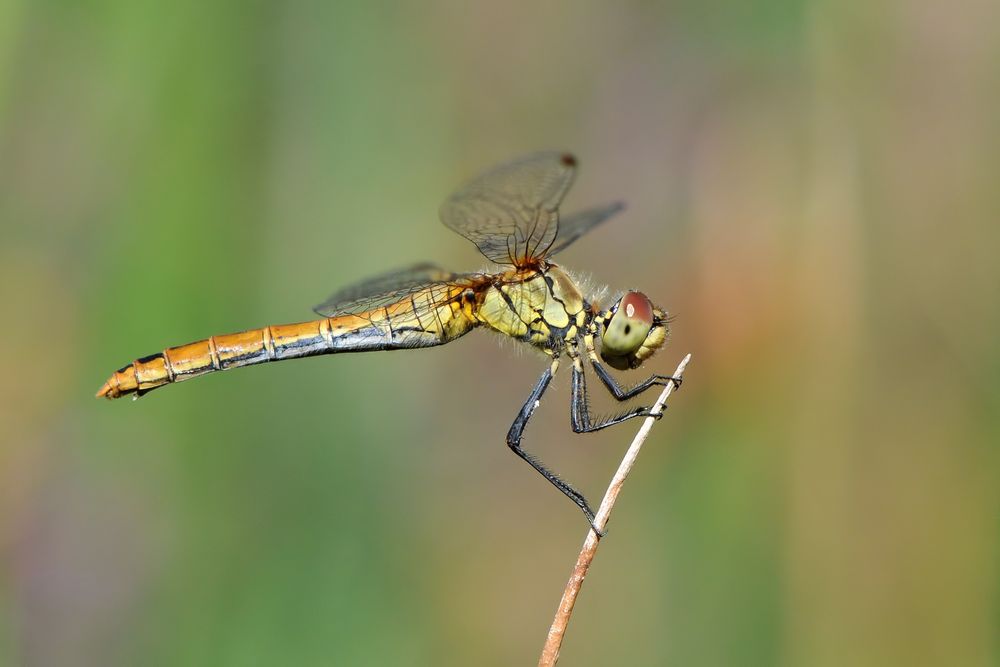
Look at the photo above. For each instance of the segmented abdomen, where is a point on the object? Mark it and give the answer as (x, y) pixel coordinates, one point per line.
(407, 324)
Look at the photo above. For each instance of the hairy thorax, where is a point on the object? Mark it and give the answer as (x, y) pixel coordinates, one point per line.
(541, 306)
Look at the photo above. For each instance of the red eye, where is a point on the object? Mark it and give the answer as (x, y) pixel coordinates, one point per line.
(636, 306)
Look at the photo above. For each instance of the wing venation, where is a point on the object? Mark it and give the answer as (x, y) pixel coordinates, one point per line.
(390, 288)
(511, 212)
(574, 226)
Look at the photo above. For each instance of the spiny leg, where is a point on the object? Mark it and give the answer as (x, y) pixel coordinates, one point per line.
(624, 393)
(514, 442)
(580, 410)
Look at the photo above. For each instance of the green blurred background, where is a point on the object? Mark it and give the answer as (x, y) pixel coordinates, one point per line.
(812, 189)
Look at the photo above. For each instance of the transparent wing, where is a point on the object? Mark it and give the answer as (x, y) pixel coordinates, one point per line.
(511, 212)
(574, 226)
(390, 288)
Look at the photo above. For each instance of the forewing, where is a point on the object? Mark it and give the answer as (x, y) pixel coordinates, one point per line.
(574, 226)
(511, 212)
(387, 289)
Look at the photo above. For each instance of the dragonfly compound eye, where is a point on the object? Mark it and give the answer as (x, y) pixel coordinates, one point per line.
(627, 330)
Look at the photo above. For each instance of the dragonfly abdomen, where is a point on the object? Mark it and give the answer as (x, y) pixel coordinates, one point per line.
(347, 333)
(215, 353)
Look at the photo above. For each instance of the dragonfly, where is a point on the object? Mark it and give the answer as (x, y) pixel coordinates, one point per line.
(511, 214)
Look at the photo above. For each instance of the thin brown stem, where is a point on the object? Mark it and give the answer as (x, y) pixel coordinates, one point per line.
(553, 642)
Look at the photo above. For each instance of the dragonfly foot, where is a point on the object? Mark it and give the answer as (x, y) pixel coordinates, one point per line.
(593, 526)
(663, 379)
(648, 412)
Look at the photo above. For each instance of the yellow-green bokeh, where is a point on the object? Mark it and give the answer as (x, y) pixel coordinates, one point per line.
(812, 190)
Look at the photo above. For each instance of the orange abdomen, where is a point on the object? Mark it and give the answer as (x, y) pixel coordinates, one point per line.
(217, 353)
(413, 322)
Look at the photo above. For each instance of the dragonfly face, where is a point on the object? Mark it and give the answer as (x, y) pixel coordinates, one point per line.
(511, 214)
(634, 329)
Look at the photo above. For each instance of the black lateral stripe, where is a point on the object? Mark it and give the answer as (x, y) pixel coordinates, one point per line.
(510, 305)
(413, 306)
(549, 284)
(388, 323)
(245, 359)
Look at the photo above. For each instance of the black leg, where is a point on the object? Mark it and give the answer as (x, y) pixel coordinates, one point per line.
(623, 394)
(580, 409)
(514, 442)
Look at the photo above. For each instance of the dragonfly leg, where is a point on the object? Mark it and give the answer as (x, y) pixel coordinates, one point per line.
(624, 393)
(580, 409)
(514, 442)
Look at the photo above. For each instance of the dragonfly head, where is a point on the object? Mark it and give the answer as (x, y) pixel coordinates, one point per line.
(634, 329)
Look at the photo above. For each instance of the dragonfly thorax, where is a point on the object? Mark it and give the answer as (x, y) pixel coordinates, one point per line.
(541, 306)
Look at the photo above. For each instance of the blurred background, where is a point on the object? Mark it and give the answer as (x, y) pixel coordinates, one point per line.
(812, 191)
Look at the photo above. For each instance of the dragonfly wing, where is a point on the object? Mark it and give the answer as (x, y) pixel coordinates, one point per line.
(574, 226)
(511, 212)
(388, 289)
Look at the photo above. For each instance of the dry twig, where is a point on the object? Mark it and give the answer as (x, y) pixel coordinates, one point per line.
(553, 642)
